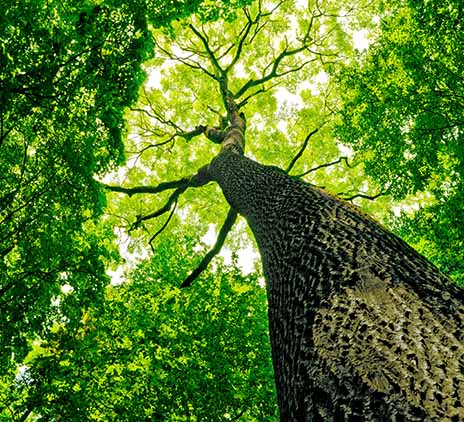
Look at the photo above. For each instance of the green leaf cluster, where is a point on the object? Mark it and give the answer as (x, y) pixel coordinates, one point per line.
(67, 72)
(402, 113)
(161, 13)
(153, 352)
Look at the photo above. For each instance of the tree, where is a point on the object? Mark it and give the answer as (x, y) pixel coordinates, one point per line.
(402, 113)
(362, 327)
(67, 72)
(156, 353)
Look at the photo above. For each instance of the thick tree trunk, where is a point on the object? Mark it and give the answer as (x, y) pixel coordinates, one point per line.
(362, 327)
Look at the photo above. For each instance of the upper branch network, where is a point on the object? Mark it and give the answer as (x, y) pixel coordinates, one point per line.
(201, 49)
(216, 58)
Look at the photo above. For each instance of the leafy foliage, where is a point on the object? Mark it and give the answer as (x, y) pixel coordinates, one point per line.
(403, 112)
(162, 13)
(68, 70)
(155, 352)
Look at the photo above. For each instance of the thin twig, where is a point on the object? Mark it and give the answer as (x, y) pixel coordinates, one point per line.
(164, 209)
(211, 55)
(325, 165)
(273, 73)
(364, 196)
(244, 34)
(253, 94)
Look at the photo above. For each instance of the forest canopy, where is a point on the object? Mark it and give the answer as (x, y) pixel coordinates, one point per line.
(363, 99)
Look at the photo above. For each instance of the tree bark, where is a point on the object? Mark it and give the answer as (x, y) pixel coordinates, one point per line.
(362, 327)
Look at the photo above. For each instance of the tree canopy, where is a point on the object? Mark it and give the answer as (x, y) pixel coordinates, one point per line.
(121, 91)
(402, 113)
(68, 71)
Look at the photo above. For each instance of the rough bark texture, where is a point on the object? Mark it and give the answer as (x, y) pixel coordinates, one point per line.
(362, 327)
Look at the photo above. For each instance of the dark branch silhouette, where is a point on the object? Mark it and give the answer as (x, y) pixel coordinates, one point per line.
(187, 61)
(257, 92)
(325, 165)
(165, 208)
(301, 150)
(273, 73)
(225, 229)
(364, 196)
(208, 50)
(194, 181)
(164, 225)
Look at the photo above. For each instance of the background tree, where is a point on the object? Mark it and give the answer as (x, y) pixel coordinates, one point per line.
(402, 113)
(155, 352)
(67, 72)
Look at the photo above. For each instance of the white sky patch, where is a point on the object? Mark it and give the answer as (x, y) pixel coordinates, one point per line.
(117, 277)
(321, 78)
(258, 122)
(302, 4)
(360, 39)
(154, 77)
(282, 126)
(346, 151)
(292, 35)
(67, 288)
(285, 97)
(210, 237)
(247, 259)
(414, 203)
(305, 85)
(239, 71)
(315, 84)
(155, 72)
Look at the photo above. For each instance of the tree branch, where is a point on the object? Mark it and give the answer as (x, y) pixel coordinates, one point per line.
(364, 196)
(215, 134)
(225, 229)
(180, 186)
(244, 34)
(165, 208)
(273, 73)
(211, 55)
(164, 225)
(150, 189)
(300, 152)
(326, 165)
(195, 181)
(187, 61)
(257, 92)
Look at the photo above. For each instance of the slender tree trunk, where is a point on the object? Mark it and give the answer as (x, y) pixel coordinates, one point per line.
(362, 327)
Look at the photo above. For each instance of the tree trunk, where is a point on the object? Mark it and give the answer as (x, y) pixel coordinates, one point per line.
(362, 327)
